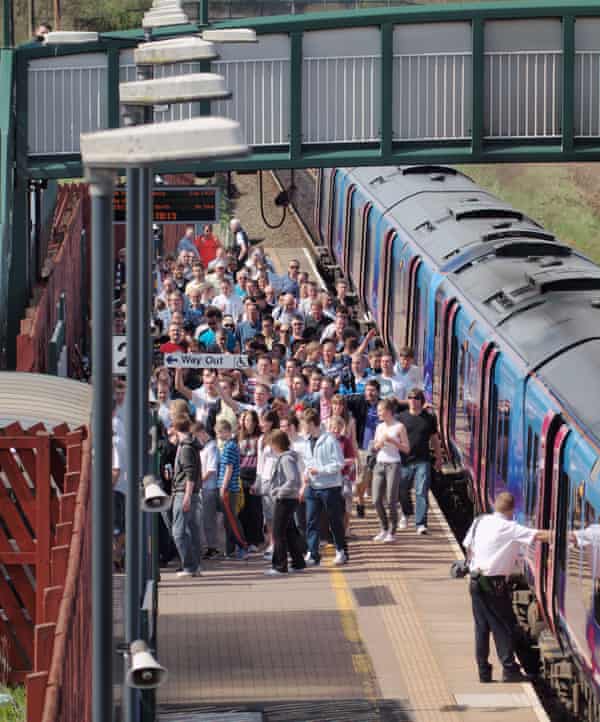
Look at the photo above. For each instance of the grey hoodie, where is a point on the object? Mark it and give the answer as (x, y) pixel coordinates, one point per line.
(285, 480)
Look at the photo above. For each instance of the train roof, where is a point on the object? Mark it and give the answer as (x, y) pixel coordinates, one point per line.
(573, 376)
(541, 296)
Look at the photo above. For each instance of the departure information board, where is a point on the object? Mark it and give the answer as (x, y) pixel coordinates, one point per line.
(175, 204)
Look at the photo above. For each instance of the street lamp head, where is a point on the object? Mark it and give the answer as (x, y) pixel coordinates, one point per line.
(179, 89)
(176, 50)
(230, 35)
(70, 37)
(171, 142)
(164, 13)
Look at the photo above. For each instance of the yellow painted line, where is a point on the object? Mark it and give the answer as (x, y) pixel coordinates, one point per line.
(361, 661)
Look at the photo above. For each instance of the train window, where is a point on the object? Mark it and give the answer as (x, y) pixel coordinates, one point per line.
(354, 240)
(461, 432)
(502, 443)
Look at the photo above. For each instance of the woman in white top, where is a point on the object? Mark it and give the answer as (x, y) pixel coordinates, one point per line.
(391, 440)
(266, 460)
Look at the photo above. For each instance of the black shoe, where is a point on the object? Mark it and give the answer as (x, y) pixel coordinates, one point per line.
(513, 675)
(485, 675)
(360, 511)
(210, 554)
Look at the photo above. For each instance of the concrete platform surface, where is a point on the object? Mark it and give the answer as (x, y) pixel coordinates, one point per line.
(386, 638)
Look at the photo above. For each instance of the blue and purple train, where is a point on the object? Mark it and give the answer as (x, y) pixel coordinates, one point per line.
(505, 323)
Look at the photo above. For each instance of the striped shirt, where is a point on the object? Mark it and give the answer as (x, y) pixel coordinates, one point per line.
(230, 454)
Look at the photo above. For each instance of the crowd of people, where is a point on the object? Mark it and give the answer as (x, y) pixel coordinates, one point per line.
(276, 457)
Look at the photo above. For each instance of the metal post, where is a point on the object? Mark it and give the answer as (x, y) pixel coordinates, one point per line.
(133, 420)
(202, 13)
(7, 24)
(101, 190)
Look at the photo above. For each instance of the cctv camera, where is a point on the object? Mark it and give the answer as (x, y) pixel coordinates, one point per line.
(145, 672)
(155, 498)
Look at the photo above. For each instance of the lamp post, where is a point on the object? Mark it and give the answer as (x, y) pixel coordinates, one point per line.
(103, 153)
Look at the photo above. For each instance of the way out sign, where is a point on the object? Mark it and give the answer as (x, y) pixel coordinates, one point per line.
(206, 361)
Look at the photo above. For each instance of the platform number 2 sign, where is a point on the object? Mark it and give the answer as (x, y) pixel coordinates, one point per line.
(119, 355)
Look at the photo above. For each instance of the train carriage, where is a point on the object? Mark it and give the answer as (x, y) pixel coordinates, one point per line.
(505, 323)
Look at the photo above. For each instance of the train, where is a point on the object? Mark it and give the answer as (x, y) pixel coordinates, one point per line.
(504, 321)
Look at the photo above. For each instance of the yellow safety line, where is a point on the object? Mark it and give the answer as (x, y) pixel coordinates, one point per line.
(361, 661)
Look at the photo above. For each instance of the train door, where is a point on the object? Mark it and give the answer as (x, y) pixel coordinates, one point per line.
(558, 524)
(444, 362)
(350, 229)
(385, 317)
(485, 422)
(412, 301)
(359, 259)
(550, 434)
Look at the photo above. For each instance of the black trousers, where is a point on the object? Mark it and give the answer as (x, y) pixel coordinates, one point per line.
(251, 518)
(493, 612)
(286, 537)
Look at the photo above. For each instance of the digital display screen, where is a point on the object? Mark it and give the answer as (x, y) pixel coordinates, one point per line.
(175, 204)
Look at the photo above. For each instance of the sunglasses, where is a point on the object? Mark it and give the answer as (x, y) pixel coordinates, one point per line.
(415, 398)
(227, 325)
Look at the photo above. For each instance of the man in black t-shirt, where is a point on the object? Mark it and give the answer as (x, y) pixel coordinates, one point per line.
(422, 429)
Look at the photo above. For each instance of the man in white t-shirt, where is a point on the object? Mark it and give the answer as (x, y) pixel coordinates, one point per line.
(493, 544)
(205, 399)
(389, 383)
(209, 463)
(228, 302)
(390, 441)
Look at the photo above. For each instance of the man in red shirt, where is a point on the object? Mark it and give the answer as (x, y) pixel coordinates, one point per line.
(207, 245)
(176, 341)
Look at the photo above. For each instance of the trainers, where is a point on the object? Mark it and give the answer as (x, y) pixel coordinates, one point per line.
(184, 574)
(340, 558)
(241, 554)
(422, 529)
(268, 554)
(389, 538)
(310, 562)
(403, 522)
(296, 570)
(360, 511)
(274, 573)
(252, 548)
(210, 553)
(381, 536)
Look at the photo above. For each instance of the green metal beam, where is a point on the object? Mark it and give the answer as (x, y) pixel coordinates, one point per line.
(568, 99)
(478, 79)
(281, 159)
(295, 95)
(387, 88)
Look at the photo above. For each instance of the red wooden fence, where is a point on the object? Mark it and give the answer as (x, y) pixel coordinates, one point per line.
(38, 499)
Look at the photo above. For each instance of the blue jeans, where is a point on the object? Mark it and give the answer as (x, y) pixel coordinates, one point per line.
(333, 502)
(186, 531)
(419, 473)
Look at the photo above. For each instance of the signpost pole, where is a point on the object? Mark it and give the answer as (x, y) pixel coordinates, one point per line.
(133, 432)
(101, 191)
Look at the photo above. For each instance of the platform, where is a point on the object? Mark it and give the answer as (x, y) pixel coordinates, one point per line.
(387, 638)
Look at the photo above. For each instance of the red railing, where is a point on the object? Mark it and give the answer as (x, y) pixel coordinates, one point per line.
(65, 274)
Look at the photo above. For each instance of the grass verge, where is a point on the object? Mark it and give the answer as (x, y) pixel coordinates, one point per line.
(564, 199)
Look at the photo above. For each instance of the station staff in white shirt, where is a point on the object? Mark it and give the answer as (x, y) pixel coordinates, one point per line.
(493, 544)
